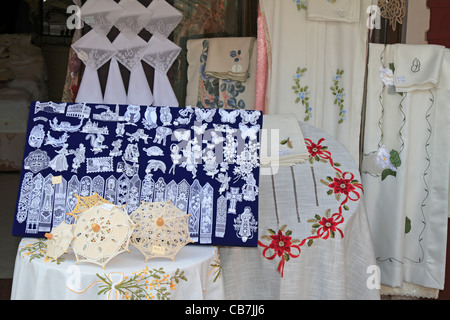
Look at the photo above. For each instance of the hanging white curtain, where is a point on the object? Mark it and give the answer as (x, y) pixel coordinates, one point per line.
(406, 164)
(317, 64)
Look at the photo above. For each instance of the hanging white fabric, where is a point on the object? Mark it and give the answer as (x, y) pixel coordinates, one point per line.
(94, 49)
(405, 166)
(129, 54)
(317, 69)
(115, 90)
(162, 91)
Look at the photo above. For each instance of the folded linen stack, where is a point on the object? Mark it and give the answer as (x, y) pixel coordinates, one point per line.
(417, 67)
(229, 58)
(221, 88)
(286, 146)
(338, 10)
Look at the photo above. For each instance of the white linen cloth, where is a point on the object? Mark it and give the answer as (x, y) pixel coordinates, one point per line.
(408, 213)
(162, 91)
(317, 69)
(326, 269)
(285, 147)
(39, 279)
(417, 69)
(338, 10)
(94, 50)
(115, 90)
(101, 15)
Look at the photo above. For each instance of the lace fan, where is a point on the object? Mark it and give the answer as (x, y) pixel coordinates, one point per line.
(58, 241)
(101, 233)
(161, 230)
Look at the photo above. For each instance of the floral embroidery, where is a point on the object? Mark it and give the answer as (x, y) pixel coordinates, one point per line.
(216, 267)
(37, 250)
(145, 284)
(230, 90)
(302, 93)
(344, 184)
(318, 152)
(326, 226)
(283, 246)
(339, 95)
(389, 161)
(301, 5)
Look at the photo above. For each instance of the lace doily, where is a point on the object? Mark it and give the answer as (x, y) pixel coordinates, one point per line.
(94, 49)
(133, 19)
(164, 18)
(58, 241)
(393, 10)
(129, 52)
(101, 233)
(101, 15)
(161, 230)
(161, 53)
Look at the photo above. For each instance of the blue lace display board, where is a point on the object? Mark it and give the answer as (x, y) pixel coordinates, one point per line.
(206, 161)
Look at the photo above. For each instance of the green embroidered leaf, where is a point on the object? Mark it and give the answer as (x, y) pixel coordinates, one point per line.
(271, 231)
(386, 173)
(286, 257)
(318, 217)
(330, 192)
(346, 208)
(407, 225)
(395, 159)
(310, 242)
(288, 233)
(316, 225)
(330, 179)
(392, 67)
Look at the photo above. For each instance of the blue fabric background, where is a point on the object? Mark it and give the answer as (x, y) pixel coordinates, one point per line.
(28, 208)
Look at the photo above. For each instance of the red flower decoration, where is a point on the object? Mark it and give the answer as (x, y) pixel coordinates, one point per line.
(328, 225)
(317, 149)
(282, 244)
(341, 185)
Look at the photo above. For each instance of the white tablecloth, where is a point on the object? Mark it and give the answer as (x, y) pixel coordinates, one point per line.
(195, 275)
(298, 257)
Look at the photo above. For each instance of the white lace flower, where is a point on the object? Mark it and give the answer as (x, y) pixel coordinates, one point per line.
(387, 76)
(383, 159)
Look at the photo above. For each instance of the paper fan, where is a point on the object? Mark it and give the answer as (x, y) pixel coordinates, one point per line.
(84, 203)
(161, 230)
(58, 241)
(101, 233)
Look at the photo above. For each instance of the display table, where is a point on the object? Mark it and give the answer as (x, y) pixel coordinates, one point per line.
(314, 238)
(194, 275)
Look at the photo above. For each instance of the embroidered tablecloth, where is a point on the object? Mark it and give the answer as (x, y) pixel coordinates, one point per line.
(195, 274)
(314, 238)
